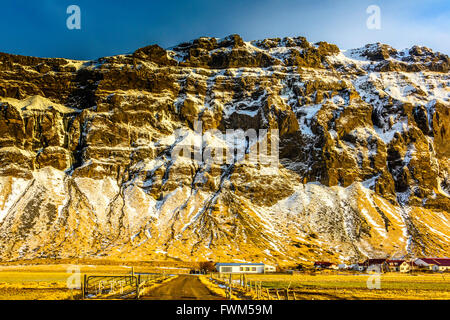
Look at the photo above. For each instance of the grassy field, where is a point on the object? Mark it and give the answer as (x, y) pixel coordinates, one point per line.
(49, 282)
(353, 286)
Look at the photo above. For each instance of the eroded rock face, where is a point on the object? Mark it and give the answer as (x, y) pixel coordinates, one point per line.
(87, 166)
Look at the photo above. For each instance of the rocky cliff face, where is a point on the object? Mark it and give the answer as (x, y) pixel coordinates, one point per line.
(87, 166)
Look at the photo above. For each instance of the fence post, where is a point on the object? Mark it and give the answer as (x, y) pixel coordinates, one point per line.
(278, 296)
(295, 298)
(229, 287)
(138, 281)
(268, 294)
(287, 294)
(84, 286)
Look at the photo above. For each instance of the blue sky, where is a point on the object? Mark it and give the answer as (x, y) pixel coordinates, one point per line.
(38, 28)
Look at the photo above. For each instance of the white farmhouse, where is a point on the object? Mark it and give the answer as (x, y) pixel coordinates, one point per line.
(244, 268)
(407, 266)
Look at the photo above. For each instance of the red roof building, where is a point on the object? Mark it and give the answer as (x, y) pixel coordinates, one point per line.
(440, 262)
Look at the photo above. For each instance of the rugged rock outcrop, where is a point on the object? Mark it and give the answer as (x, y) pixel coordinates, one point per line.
(87, 166)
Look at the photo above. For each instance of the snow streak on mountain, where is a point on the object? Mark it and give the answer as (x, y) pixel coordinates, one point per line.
(87, 168)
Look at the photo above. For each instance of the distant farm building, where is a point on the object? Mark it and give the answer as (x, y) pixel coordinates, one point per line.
(323, 265)
(376, 265)
(407, 266)
(394, 265)
(343, 266)
(397, 265)
(433, 264)
(244, 268)
(356, 267)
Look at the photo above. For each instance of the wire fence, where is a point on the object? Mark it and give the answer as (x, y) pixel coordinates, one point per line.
(251, 289)
(119, 286)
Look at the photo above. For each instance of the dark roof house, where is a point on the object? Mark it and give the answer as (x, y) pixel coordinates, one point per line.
(394, 263)
(371, 262)
(322, 264)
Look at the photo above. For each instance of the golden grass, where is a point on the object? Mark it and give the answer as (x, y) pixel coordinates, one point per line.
(352, 286)
(58, 271)
(49, 282)
(215, 288)
(36, 291)
(101, 262)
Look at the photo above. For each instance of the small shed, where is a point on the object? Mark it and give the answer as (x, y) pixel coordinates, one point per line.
(343, 266)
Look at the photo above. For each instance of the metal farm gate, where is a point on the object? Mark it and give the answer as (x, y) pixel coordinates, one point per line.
(118, 286)
(125, 286)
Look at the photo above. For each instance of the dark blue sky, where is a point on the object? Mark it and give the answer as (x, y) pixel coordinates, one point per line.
(38, 27)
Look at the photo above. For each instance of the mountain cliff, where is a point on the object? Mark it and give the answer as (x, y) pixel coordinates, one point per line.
(87, 163)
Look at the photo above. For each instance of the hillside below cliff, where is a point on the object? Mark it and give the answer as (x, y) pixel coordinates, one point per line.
(87, 166)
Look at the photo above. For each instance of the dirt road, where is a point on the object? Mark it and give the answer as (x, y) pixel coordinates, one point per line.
(182, 288)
